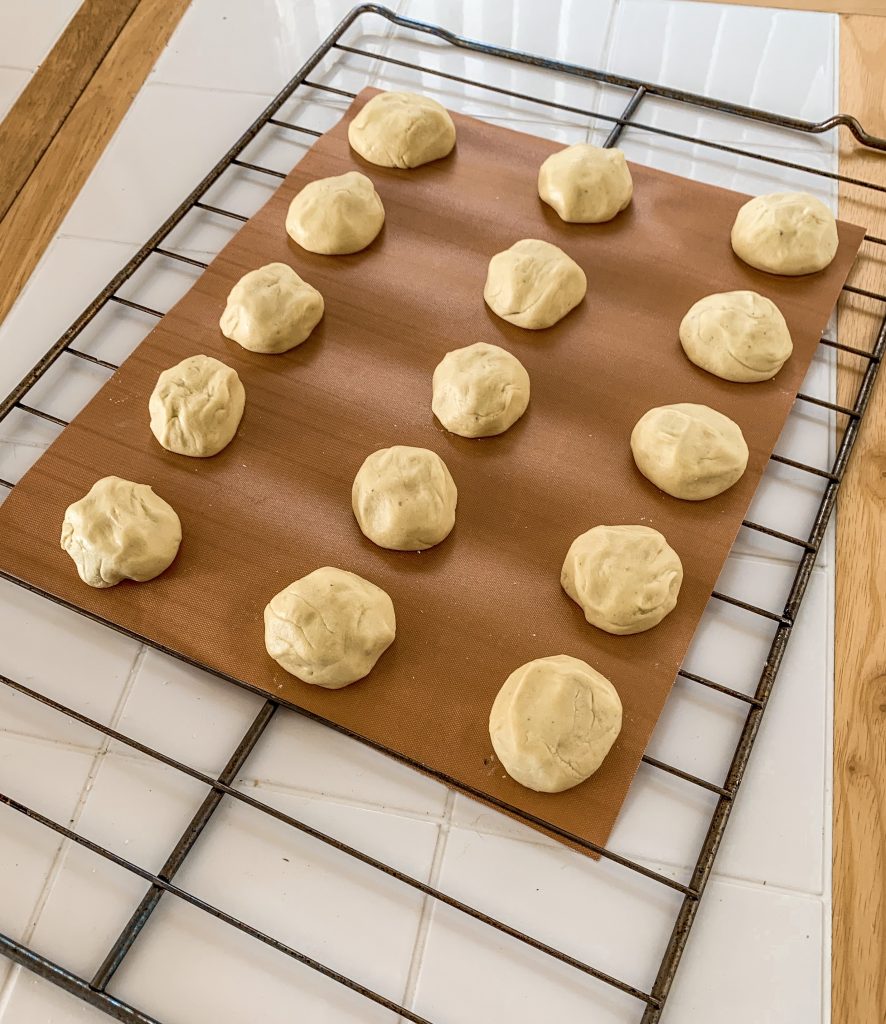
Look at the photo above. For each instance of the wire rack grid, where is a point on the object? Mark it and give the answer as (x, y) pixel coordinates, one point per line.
(649, 1001)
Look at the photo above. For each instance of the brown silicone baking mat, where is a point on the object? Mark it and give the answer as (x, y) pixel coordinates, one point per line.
(275, 504)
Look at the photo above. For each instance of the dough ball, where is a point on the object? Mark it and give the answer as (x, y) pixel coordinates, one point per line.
(553, 722)
(330, 627)
(480, 390)
(271, 310)
(533, 284)
(785, 233)
(586, 184)
(402, 129)
(739, 336)
(626, 578)
(404, 498)
(120, 531)
(196, 406)
(690, 451)
(335, 216)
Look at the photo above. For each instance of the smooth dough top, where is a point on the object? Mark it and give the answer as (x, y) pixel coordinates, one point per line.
(196, 406)
(479, 390)
(271, 310)
(787, 233)
(689, 451)
(402, 129)
(330, 627)
(120, 530)
(533, 284)
(336, 216)
(404, 498)
(586, 184)
(553, 722)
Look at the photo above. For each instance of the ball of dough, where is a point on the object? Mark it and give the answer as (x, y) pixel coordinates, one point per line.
(785, 233)
(533, 284)
(330, 627)
(335, 216)
(404, 498)
(625, 578)
(480, 390)
(196, 406)
(586, 184)
(271, 310)
(120, 531)
(739, 336)
(402, 129)
(553, 722)
(690, 451)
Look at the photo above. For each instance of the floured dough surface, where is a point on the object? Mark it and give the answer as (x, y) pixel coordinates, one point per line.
(330, 627)
(404, 498)
(553, 722)
(787, 233)
(479, 390)
(271, 310)
(689, 451)
(586, 184)
(335, 216)
(402, 129)
(625, 578)
(120, 530)
(196, 406)
(533, 284)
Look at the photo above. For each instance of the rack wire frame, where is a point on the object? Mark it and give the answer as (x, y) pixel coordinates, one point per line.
(652, 1002)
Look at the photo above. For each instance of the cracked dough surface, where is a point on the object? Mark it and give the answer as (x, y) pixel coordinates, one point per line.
(553, 723)
(271, 310)
(335, 216)
(787, 233)
(480, 390)
(404, 498)
(586, 184)
(330, 627)
(402, 129)
(196, 406)
(533, 284)
(120, 530)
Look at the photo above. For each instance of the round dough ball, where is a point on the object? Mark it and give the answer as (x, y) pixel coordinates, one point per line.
(689, 451)
(271, 310)
(586, 184)
(533, 284)
(625, 578)
(739, 336)
(553, 722)
(120, 531)
(196, 406)
(336, 216)
(787, 233)
(404, 498)
(402, 129)
(480, 390)
(330, 627)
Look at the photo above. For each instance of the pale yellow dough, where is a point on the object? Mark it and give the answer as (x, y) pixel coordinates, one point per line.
(553, 723)
(788, 233)
(336, 216)
(120, 530)
(586, 184)
(330, 627)
(402, 129)
(480, 390)
(271, 310)
(533, 284)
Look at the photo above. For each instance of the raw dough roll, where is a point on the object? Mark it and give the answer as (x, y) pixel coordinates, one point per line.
(404, 498)
(336, 216)
(480, 390)
(586, 184)
(271, 310)
(196, 406)
(533, 284)
(553, 722)
(625, 578)
(402, 129)
(120, 531)
(330, 627)
(787, 233)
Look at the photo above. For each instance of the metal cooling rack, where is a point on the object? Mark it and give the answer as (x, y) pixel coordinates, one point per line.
(649, 1003)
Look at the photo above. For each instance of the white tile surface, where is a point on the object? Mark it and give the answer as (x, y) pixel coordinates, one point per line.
(12, 81)
(29, 31)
